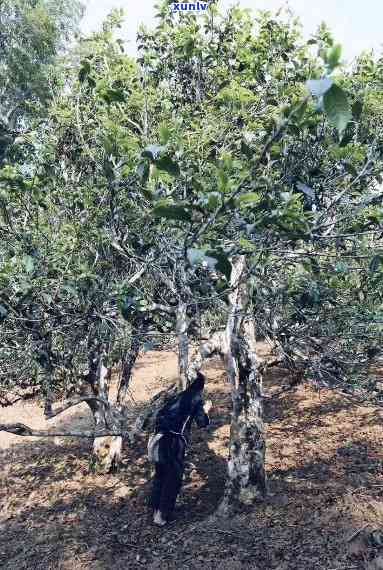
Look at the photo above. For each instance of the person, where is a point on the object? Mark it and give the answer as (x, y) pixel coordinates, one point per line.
(167, 447)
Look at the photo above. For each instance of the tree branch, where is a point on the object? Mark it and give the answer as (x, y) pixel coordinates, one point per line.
(53, 413)
(26, 431)
(163, 308)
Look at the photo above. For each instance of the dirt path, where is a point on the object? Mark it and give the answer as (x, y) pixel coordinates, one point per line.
(326, 477)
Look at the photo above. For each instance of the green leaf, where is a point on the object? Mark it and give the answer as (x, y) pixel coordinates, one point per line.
(347, 136)
(200, 257)
(375, 263)
(212, 259)
(143, 171)
(197, 256)
(306, 190)
(165, 134)
(197, 185)
(168, 165)
(246, 149)
(337, 108)
(47, 298)
(128, 306)
(357, 109)
(318, 87)
(341, 267)
(350, 168)
(223, 264)
(250, 197)
(296, 111)
(142, 305)
(333, 56)
(28, 263)
(172, 212)
(314, 266)
(222, 180)
(213, 199)
(84, 71)
(286, 197)
(70, 290)
(3, 312)
(113, 96)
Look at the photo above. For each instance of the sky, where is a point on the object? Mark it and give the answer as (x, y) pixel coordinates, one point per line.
(356, 24)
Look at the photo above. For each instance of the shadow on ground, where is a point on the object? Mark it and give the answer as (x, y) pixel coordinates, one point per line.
(325, 471)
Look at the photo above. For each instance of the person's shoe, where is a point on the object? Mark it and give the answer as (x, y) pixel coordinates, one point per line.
(158, 520)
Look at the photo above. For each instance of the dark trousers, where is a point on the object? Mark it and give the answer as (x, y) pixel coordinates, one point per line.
(168, 474)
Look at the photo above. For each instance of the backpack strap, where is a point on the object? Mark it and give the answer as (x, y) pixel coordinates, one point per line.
(181, 433)
(184, 425)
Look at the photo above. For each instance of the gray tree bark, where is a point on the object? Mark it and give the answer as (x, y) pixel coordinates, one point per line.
(246, 477)
(113, 445)
(106, 450)
(128, 363)
(182, 325)
(216, 345)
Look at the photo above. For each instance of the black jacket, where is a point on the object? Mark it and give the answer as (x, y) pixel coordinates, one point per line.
(180, 412)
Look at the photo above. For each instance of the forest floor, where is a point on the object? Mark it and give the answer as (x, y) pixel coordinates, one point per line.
(325, 468)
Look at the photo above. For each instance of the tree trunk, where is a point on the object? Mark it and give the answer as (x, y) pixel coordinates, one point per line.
(216, 345)
(47, 379)
(106, 454)
(128, 363)
(182, 323)
(246, 478)
(106, 450)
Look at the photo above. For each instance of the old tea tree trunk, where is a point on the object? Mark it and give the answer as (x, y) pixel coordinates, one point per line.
(106, 456)
(128, 363)
(246, 478)
(106, 449)
(182, 325)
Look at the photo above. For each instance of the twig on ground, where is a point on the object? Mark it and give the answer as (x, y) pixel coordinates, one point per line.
(356, 533)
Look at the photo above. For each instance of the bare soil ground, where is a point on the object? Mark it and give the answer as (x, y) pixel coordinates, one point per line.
(325, 466)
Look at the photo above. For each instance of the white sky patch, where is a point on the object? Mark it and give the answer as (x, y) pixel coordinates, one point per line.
(356, 24)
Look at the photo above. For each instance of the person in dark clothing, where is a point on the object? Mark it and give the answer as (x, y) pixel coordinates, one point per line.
(168, 446)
